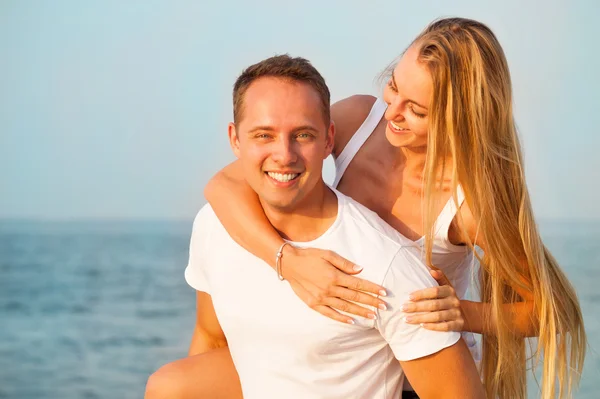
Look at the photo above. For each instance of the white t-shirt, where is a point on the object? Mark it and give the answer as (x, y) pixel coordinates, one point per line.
(283, 349)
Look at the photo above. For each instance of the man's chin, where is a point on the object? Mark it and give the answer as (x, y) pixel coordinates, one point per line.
(281, 204)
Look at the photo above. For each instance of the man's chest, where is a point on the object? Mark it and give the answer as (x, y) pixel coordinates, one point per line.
(256, 309)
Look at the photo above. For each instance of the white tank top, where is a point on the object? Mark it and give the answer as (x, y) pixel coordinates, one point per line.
(455, 261)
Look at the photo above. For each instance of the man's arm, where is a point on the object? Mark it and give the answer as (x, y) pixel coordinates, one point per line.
(438, 364)
(449, 373)
(208, 333)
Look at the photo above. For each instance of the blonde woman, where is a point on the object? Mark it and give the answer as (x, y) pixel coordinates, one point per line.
(439, 160)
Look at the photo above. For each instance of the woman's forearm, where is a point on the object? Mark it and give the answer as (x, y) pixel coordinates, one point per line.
(238, 208)
(519, 315)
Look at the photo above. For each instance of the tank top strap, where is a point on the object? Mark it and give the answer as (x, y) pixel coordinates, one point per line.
(442, 224)
(358, 139)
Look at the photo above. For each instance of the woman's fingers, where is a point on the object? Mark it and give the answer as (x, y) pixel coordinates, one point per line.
(340, 262)
(446, 326)
(432, 293)
(349, 307)
(326, 269)
(358, 284)
(452, 315)
(431, 305)
(359, 297)
(333, 314)
(322, 280)
(440, 277)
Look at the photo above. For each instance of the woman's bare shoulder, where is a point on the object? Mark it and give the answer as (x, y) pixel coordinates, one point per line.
(467, 227)
(348, 114)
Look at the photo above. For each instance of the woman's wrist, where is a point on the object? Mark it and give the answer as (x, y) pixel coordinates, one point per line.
(288, 253)
(269, 245)
(475, 314)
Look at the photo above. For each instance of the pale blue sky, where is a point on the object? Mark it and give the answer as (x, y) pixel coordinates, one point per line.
(114, 110)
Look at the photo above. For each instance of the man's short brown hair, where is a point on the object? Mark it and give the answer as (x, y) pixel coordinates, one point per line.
(295, 69)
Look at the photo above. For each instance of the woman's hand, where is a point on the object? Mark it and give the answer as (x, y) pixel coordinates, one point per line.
(440, 306)
(323, 280)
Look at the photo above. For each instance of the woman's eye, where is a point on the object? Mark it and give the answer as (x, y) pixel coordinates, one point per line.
(417, 114)
(391, 86)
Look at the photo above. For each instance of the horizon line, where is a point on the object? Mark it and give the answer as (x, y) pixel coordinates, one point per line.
(187, 219)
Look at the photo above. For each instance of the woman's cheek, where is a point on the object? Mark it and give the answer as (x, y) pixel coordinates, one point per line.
(420, 127)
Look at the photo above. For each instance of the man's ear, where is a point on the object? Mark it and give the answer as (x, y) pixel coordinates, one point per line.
(330, 139)
(234, 141)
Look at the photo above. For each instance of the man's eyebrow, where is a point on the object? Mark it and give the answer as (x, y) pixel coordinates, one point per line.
(305, 127)
(271, 129)
(261, 129)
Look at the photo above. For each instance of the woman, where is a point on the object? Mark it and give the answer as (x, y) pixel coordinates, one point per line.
(444, 168)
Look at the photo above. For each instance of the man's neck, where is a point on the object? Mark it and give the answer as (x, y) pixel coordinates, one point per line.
(309, 219)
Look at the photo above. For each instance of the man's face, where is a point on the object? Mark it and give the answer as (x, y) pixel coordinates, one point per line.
(281, 140)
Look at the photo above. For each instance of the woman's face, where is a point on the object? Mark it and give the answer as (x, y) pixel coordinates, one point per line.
(408, 95)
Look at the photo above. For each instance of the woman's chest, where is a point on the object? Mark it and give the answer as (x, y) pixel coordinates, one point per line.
(378, 179)
(383, 188)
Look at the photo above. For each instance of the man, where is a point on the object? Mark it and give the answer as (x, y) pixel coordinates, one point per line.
(281, 133)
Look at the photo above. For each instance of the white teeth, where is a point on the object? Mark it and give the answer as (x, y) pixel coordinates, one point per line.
(283, 177)
(396, 126)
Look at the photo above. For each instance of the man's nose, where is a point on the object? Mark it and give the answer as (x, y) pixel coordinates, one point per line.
(284, 152)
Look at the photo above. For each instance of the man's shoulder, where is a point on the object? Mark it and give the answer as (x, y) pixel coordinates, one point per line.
(205, 214)
(209, 236)
(371, 242)
(205, 222)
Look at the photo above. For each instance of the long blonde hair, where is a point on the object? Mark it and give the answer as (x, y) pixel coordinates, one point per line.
(472, 133)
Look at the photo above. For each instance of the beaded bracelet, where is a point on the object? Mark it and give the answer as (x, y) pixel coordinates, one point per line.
(278, 260)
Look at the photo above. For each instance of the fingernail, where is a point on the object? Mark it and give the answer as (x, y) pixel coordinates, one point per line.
(411, 297)
(421, 324)
(372, 316)
(350, 321)
(403, 307)
(382, 306)
(382, 293)
(407, 319)
(356, 268)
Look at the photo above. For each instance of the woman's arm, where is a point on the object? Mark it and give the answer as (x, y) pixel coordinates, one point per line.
(520, 315)
(320, 278)
(239, 210)
(446, 312)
